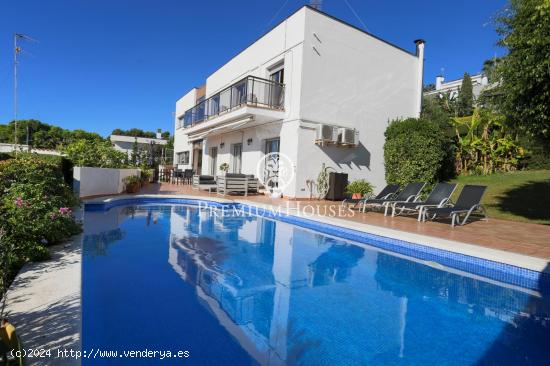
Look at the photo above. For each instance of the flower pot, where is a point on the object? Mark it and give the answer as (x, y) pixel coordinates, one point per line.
(356, 196)
(132, 187)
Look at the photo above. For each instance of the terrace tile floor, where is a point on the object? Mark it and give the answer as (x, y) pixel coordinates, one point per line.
(518, 237)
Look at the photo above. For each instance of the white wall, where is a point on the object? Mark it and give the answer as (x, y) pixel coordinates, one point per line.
(354, 80)
(180, 139)
(8, 148)
(284, 42)
(100, 181)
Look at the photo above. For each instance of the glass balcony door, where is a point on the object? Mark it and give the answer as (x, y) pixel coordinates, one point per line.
(271, 167)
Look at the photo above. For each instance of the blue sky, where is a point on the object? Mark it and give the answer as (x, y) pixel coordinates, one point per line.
(105, 64)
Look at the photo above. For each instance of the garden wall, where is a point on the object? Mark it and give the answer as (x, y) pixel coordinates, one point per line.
(100, 181)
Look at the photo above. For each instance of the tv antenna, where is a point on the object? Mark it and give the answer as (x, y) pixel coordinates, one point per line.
(17, 38)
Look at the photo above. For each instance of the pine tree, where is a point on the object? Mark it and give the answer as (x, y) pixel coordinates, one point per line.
(465, 102)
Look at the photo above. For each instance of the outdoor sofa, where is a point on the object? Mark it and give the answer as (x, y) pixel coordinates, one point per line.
(236, 183)
(204, 182)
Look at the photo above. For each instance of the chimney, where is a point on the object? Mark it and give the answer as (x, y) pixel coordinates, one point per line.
(438, 81)
(159, 134)
(420, 74)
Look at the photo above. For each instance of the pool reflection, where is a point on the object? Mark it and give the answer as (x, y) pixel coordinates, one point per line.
(292, 296)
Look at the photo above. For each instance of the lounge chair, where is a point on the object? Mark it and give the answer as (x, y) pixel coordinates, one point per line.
(409, 194)
(468, 202)
(438, 197)
(386, 193)
(204, 182)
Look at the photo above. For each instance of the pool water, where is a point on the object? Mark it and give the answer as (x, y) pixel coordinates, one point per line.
(244, 290)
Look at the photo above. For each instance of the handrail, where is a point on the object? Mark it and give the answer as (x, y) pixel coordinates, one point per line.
(250, 90)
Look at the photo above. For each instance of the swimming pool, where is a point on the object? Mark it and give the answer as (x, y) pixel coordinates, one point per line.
(243, 289)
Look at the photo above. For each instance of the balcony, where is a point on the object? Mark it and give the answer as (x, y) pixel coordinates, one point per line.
(250, 91)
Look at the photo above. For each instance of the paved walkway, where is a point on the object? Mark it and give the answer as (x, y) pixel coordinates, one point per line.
(512, 236)
(44, 304)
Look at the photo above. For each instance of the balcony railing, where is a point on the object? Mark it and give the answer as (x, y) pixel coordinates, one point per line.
(251, 90)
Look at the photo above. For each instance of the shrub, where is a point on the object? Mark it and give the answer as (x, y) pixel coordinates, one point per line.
(483, 144)
(537, 161)
(96, 154)
(146, 175)
(132, 179)
(415, 150)
(35, 206)
(360, 186)
(5, 156)
(64, 164)
(132, 183)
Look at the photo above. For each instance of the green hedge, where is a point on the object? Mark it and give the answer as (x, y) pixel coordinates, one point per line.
(5, 156)
(35, 207)
(417, 150)
(63, 164)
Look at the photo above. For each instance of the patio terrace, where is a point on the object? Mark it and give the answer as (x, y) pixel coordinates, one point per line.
(516, 237)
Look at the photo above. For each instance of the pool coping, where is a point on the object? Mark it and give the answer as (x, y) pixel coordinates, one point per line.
(512, 268)
(474, 250)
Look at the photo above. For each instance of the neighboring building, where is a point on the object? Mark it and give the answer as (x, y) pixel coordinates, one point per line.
(126, 143)
(479, 82)
(8, 148)
(315, 89)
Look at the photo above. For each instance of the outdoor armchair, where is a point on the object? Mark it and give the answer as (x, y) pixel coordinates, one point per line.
(438, 197)
(205, 182)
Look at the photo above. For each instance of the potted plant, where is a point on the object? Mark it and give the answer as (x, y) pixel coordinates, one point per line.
(145, 176)
(132, 183)
(224, 168)
(359, 188)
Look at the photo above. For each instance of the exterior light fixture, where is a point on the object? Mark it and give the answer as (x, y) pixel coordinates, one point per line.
(222, 145)
(249, 141)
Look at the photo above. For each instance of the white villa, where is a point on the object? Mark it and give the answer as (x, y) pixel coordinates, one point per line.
(314, 89)
(479, 82)
(126, 143)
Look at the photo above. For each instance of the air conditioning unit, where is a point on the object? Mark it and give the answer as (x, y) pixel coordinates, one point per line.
(326, 134)
(348, 136)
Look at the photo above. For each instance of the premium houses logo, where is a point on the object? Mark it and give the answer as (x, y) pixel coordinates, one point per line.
(275, 171)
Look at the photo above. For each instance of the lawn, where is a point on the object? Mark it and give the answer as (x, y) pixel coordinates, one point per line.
(519, 196)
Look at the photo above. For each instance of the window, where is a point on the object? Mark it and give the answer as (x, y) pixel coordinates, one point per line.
(183, 157)
(278, 76)
(276, 94)
(179, 124)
